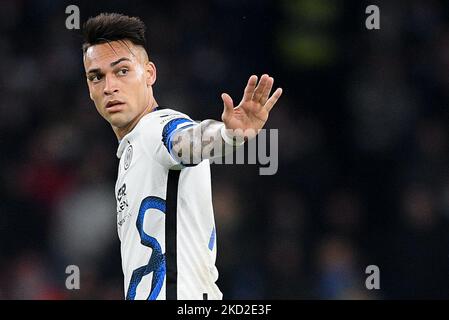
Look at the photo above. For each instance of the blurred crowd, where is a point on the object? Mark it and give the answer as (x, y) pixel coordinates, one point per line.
(363, 173)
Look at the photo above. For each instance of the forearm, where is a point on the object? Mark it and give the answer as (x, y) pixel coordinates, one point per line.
(205, 140)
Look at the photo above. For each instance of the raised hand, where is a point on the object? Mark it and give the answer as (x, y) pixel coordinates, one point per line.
(252, 112)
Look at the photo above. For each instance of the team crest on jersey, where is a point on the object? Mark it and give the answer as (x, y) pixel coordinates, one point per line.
(128, 156)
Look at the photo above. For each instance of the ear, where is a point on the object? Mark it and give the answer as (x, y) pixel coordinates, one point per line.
(150, 72)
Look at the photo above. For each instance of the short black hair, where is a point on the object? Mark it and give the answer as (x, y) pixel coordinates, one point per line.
(107, 27)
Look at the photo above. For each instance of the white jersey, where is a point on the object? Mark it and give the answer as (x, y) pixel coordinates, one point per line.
(165, 216)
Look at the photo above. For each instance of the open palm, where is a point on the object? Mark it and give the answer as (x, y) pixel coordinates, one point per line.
(252, 112)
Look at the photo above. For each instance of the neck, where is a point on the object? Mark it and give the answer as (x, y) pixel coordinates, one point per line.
(123, 131)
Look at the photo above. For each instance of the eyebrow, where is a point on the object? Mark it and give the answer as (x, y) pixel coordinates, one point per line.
(96, 70)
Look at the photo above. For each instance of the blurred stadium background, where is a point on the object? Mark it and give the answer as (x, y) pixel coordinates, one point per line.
(363, 153)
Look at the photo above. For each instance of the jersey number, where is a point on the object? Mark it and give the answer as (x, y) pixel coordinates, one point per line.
(157, 259)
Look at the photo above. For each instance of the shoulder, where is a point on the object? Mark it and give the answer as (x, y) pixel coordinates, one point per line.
(163, 122)
(162, 116)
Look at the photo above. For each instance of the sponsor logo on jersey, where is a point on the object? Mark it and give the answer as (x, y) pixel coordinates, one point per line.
(122, 205)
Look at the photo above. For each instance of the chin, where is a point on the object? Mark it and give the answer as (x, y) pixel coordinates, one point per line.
(118, 120)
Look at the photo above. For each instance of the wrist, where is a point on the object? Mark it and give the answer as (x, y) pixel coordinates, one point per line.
(229, 136)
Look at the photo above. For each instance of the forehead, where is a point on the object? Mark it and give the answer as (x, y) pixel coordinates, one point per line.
(101, 55)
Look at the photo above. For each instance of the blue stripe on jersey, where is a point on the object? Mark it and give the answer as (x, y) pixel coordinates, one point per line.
(170, 129)
(170, 139)
(212, 239)
(156, 264)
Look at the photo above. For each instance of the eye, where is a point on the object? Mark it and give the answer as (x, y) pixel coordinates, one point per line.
(122, 72)
(95, 78)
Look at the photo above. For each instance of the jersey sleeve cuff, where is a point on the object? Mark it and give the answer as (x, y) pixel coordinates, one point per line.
(231, 139)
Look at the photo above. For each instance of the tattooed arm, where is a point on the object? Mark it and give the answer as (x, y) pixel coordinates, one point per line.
(208, 139)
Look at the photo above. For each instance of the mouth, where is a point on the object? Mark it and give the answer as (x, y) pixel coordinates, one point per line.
(114, 106)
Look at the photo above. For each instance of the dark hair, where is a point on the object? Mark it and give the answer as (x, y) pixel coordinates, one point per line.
(107, 27)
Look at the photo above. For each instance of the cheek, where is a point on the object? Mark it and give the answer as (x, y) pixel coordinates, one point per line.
(96, 98)
(140, 89)
(93, 92)
(139, 72)
(141, 77)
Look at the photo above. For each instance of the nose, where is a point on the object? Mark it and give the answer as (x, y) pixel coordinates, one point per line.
(110, 86)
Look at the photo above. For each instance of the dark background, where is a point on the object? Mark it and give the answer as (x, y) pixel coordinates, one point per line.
(363, 146)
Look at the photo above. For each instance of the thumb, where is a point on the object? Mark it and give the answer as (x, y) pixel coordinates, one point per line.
(228, 107)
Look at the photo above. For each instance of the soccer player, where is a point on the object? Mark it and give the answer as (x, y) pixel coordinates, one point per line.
(165, 216)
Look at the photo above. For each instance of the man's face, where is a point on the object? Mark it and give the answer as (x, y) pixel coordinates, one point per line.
(119, 77)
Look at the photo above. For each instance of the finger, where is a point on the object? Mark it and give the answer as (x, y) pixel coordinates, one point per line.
(249, 90)
(267, 90)
(228, 107)
(273, 99)
(259, 89)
